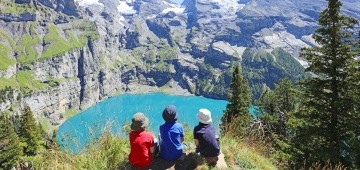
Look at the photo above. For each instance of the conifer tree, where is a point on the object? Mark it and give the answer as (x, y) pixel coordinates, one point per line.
(285, 95)
(267, 101)
(238, 107)
(353, 135)
(276, 106)
(54, 141)
(30, 133)
(10, 149)
(323, 132)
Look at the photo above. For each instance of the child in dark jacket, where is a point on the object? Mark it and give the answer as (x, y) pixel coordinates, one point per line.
(205, 137)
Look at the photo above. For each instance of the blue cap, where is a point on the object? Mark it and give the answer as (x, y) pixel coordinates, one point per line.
(169, 114)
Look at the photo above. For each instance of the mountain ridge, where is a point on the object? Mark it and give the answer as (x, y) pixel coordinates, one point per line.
(74, 54)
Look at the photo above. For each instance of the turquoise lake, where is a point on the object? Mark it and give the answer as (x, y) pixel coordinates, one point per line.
(113, 113)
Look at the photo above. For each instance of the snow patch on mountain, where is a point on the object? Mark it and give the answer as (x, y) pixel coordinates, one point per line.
(278, 37)
(126, 8)
(227, 9)
(225, 47)
(87, 3)
(229, 6)
(176, 10)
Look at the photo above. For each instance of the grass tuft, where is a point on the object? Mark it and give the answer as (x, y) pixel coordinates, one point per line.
(5, 60)
(109, 152)
(70, 113)
(246, 156)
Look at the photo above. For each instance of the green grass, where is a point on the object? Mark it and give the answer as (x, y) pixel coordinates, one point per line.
(59, 45)
(75, 41)
(167, 53)
(87, 30)
(138, 53)
(5, 36)
(27, 82)
(13, 8)
(70, 113)
(11, 82)
(109, 152)
(5, 60)
(56, 45)
(25, 48)
(45, 124)
(246, 156)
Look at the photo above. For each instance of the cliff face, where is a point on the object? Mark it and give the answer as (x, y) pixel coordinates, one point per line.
(58, 55)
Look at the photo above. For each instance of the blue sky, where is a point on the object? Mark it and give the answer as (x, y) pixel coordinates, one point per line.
(178, 1)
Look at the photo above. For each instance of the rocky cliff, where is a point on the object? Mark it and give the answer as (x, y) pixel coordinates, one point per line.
(61, 55)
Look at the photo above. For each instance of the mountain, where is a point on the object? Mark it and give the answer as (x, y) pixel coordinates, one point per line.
(60, 55)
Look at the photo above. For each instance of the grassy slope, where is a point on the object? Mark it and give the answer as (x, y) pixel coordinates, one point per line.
(25, 46)
(5, 61)
(245, 157)
(8, 6)
(111, 152)
(76, 37)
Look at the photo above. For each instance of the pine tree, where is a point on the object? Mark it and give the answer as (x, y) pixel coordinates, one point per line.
(323, 134)
(267, 101)
(237, 110)
(54, 143)
(353, 126)
(276, 106)
(30, 133)
(10, 150)
(285, 95)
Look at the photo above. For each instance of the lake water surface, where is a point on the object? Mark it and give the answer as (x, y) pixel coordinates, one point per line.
(112, 114)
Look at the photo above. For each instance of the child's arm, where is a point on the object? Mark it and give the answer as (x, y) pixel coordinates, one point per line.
(152, 149)
(182, 134)
(196, 141)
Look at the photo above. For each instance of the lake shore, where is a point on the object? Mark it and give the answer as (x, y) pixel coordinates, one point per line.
(171, 88)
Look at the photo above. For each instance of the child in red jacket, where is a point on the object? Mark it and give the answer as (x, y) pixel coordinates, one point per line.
(141, 142)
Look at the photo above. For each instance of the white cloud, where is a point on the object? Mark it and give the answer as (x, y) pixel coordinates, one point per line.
(88, 2)
(125, 8)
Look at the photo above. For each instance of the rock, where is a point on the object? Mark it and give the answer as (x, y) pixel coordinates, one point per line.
(67, 7)
(221, 164)
(22, 1)
(54, 102)
(9, 72)
(209, 33)
(24, 17)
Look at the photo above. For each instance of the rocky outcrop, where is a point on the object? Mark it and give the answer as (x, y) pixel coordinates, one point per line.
(67, 7)
(24, 17)
(146, 45)
(9, 72)
(22, 1)
(54, 102)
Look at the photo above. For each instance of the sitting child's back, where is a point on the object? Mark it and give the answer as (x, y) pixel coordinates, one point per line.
(141, 142)
(171, 134)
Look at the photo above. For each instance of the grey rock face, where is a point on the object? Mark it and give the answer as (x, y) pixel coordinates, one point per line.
(24, 17)
(22, 1)
(54, 102)
(145, 45)
(67, 7)
(11, 71)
